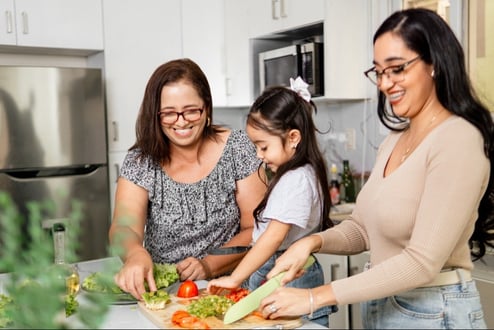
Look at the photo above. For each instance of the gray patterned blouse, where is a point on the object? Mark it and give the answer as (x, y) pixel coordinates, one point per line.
(188, 219)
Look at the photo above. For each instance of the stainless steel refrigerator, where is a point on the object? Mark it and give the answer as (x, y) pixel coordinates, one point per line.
(53, 147)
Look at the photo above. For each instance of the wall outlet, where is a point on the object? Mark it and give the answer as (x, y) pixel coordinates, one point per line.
(350, 139)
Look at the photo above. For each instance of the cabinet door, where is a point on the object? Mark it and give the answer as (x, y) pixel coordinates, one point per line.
(356, 264)
(297, 13)
(272, 16)
(203, 42)
(335, 267)
(347, 51)
(140, 35)
(237, 45)
(75, 24)
(7, 23)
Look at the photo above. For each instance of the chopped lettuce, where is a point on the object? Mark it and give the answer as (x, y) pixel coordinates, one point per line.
(212, 305)
(165, 275)
(156, 299)
(5, 319)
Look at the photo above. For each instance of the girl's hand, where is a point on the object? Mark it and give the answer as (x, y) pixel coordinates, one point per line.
(225, 283)
(293, 260)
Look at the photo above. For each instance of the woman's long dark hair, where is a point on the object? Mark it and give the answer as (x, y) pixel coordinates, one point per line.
(427, 34)
(276, 111)
(150, 138)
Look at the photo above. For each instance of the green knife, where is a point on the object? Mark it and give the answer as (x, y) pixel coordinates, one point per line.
(253, 299)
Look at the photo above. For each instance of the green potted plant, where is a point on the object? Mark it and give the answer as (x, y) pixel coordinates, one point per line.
(32, 294)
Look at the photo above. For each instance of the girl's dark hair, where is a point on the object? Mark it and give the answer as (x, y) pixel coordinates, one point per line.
(427, 34)
(276, 111)
(150, 138)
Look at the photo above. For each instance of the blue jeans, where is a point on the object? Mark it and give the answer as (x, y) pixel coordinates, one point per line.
(455, 306)
(313, 277)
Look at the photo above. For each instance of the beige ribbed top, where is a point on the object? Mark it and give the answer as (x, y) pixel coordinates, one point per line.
(416, 220)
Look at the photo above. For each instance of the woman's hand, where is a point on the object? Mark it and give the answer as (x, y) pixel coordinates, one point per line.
(293, 260)
(192, 269)
(138, 268)
(285, 301)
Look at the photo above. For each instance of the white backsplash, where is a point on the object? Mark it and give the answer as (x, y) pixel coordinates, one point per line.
(333, 119)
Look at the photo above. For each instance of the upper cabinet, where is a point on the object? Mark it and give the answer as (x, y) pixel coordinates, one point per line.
(140, 35)
(60, 24)
(220, 46)
(347, 50)
(203, 42)
(272, 16)
(237, 52)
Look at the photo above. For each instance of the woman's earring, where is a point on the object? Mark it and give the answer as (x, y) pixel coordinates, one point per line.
(432, 74)
(208, 122)
(294, 146)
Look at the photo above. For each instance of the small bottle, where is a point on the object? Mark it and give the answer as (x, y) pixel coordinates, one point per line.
(348, 183)
(334, 186)
(67, 271)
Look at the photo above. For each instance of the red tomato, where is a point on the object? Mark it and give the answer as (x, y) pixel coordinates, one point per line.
(188, 289)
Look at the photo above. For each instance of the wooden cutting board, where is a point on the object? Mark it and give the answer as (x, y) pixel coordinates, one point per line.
(162, 318)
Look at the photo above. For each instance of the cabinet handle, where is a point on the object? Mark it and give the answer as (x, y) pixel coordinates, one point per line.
(115, 131)
(354, 270)
(25, 25)
(117, 172)
(334, 269)
(273, 9)
(8, 18)
(282, 9)
(228, 86)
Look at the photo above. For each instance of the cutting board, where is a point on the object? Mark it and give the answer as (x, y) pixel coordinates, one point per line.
(162, 318)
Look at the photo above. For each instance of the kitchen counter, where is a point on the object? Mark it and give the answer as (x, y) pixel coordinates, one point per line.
(129, 316)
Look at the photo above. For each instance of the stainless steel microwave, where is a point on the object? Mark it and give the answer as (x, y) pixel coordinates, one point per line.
(277, 66)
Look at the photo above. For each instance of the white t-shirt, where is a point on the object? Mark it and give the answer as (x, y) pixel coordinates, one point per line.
(294, 200)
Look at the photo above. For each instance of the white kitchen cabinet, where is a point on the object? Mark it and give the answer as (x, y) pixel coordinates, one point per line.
(237, 47)
(271, 16)
(140, 35)
(220, 46)
(347, 49)
(203, 42)
(115, 160)
(61, 24)
(356, 264)
(335, 267)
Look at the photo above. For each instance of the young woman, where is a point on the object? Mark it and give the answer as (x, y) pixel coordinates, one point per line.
(186, 186)
(296, 203)
(429, 199)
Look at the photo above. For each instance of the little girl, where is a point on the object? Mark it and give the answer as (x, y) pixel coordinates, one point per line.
(296, 203)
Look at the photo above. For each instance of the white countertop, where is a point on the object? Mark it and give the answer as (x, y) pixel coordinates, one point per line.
(129, 316)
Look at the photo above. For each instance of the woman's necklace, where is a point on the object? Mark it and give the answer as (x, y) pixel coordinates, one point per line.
(419, 135)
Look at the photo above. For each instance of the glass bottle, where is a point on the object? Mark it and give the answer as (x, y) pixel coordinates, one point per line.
(348, 183)
(334, 186)
(67, 271)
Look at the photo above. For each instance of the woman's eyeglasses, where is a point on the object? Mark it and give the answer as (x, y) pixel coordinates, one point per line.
(170, 117)
(395, 73)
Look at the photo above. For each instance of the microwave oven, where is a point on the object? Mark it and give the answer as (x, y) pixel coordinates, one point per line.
(277, 66)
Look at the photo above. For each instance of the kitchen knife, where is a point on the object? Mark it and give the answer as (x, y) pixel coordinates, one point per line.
(253, 299)
(229, 250)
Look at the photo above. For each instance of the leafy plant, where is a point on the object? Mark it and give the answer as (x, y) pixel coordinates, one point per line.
(35, 295)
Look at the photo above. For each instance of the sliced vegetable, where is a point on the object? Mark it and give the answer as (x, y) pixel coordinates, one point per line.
(188, 289)
(185, 320)
(237, 294)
